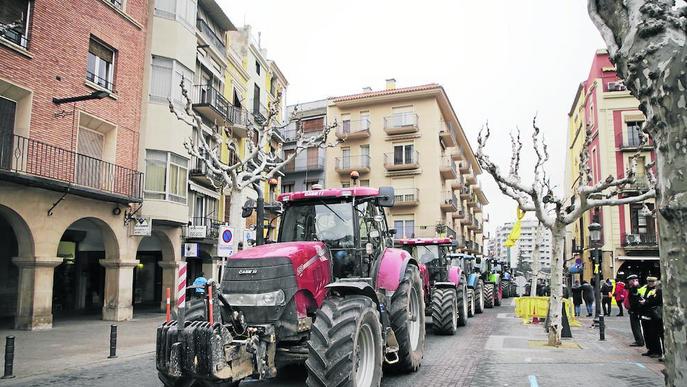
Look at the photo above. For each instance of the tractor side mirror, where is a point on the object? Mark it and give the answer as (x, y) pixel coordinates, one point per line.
(391, 232)
(478, 260)
(386, 197)
(247, 209)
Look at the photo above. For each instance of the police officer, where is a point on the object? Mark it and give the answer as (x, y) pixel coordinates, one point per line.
(634, 309)
(651, 315)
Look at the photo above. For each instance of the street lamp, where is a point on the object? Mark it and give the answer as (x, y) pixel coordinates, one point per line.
(595, 239)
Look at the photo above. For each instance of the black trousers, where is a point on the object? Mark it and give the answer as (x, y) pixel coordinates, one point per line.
(606, 304)
(620, 307)
(636, 328)
(651, 336)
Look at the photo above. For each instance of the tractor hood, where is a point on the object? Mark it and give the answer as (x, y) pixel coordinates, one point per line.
(298, 253)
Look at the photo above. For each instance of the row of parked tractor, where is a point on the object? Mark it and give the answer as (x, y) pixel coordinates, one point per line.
(337, 293)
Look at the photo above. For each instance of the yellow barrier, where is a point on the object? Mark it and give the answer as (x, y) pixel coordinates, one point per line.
(528, 307)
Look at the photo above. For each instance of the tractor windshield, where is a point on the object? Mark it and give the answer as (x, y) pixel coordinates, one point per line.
(427, 253)
(331, 223)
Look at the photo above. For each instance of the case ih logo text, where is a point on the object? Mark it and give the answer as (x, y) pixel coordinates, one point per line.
(247, 271)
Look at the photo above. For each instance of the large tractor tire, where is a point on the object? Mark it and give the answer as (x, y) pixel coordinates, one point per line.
(498, 293)
(444, 311)
(506, 290)
(462, 306)
(489, 295)
(345, 346)
(407, 314)
(471, 302)
(479, 297)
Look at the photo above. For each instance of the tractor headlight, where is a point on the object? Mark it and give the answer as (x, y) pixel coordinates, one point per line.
(273, 298)
(259, 299)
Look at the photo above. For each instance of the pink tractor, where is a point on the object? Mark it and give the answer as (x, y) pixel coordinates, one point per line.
(333, 294)
(450, 301)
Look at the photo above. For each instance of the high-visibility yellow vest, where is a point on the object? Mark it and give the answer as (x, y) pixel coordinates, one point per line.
(642, 291)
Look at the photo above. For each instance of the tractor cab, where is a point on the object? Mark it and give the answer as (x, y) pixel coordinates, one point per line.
(430, 252)
(350, 223)
(464, 261)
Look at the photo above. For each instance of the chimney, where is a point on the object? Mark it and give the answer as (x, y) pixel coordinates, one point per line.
(367, 89)
(390, 83)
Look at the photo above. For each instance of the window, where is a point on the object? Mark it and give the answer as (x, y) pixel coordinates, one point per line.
(364, 120)
(273, 86)
(291, 165)
(590, 119)
(364, 156)
(287, 188)
(309, 185)
(633, 133)
(405, 228)
(345, 185)
(364, 183)
(345, 158)
(257, 67)
(642, 222)
(346, 123)
(256, 99)
(312, 125)
(16, 13)
(313, 158)
(165, 78)
(117, 3)
(404, 154)
(183, 11)
(165, 176)
(402, 116)
(100, 64)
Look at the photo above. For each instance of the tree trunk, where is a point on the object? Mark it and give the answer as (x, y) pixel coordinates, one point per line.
(536, 265)
(556, 300)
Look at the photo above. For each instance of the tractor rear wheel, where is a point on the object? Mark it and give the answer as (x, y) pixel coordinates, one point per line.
(407, 313)
(444, 311)
(471, 301)
(345, 346)
(462, 306)
(479, 297)
(506, 290)
(489, 295)
(498, 293)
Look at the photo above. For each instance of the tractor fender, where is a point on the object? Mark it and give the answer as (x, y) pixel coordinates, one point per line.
(424, 274)
(454, 275)
(473, 279)
(392, 268)
(354, 287)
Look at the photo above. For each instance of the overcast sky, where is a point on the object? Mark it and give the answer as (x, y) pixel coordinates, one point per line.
(501, 61)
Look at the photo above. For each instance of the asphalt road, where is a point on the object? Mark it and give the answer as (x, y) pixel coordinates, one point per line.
(444, 363)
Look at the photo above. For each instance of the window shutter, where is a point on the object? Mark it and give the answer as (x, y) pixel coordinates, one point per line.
(90, 143)
(161, 78)
(98, 49)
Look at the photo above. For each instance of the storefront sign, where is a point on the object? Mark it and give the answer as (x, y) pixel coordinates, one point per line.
(142, 226)
(196, 232)
(225, 241)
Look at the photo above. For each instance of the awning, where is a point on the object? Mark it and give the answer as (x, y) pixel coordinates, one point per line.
(207, 192)
(631, 258)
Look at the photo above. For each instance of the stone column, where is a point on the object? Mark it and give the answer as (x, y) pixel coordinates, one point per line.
(119, 281)
(34, 304)
(170, 269)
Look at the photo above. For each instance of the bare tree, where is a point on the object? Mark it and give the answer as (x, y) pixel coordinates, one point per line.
(536, 264)
(550, 208)
(646, 41)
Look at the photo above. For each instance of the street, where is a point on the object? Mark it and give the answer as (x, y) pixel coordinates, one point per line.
(495, 349)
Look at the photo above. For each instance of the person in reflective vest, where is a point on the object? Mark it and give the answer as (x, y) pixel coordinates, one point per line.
(652, 319)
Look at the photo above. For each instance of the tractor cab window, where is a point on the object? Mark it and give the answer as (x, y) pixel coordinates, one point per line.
(369, 227)
(331, 223)
(428, 253)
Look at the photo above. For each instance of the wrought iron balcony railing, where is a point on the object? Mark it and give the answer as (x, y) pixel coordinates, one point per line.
(201, 228)
(352, 163)
(24, 156)
(206, 31)
(206, 97)
(303, 165)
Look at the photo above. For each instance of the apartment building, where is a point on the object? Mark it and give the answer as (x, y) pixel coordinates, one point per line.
(70, 113)
(307, 169)
(524, 248)
(629, 232)
(411, 138)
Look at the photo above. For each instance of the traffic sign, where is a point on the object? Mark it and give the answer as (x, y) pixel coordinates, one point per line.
(225, 241)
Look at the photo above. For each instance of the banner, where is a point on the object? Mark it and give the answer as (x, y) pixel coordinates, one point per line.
(515, 232)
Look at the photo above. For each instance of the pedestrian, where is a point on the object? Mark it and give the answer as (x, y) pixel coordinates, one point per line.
(606, 288)
(577, 297)
(199, 285)
(633, 309)
(620, 293)
(588, 296)
(651, 317)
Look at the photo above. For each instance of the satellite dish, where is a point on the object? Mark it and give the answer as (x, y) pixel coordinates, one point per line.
(247, 209)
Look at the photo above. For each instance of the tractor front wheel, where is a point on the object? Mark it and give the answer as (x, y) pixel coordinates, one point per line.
(407, 314)
(471, 302)
(462, 306)
(498, 294)
(489, 295)
(479, 297)
(444, 311)
(345, 346)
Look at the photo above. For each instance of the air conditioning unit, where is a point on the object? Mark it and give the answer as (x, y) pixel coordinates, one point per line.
(616, 86)
(633, 239)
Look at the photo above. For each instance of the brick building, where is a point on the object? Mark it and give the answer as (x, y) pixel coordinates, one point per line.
(70, 111)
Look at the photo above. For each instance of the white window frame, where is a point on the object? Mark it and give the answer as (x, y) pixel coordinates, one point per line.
(109, 77)
(168, 196)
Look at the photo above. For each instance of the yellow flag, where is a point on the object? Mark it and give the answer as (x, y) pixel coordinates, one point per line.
(515, 232)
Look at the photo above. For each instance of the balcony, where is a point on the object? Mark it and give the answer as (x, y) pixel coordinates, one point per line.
(259, 112)
(238, 118)
(210, 103)
(457, 183)
(463, 167)
(346, 165)
(401, 123)
(395, 162)
(211, 37)
(353, 130)
(465, 192)
(640, 241)
(451, 233)
(16, 34)
(447, 133)
(472, 201)
(458, 214)
(305, 165)
(470, 177)
(407, 197)
(447, 168)
(27, 161)
(456, 154)
(449, 202)
(467, 219)
(200, 228)
(477, 208)
(632, 143)
(199, 172)
(641, 184)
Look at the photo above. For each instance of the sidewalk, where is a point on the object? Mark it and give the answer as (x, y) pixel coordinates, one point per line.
(79, 343)
(516, 355)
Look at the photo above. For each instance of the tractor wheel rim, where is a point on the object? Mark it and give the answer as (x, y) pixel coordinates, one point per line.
(414, 319)
(454, 314)
(365, 357)
(481, 299)
(465, 304)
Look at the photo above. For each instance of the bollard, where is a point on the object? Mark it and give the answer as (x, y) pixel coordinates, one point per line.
(168, 311)
(210, 307)
(113, 342)
(9, 358)
(602, 328)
